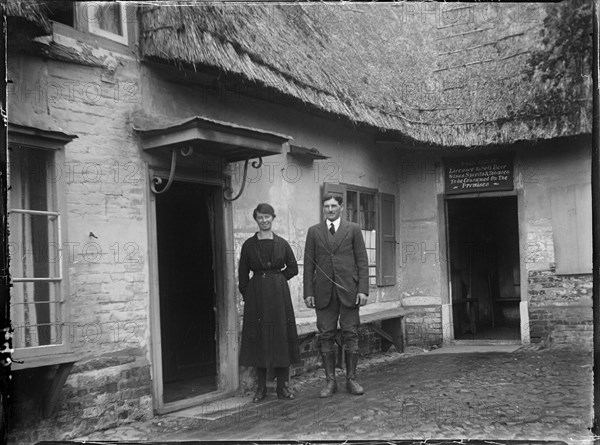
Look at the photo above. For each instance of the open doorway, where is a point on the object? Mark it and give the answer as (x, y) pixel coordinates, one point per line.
(484, 270)
(186, 273)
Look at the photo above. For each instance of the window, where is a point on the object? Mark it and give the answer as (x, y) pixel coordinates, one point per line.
(105, 19)
(360, 208)
(572, 228)
(374, 212)
(35, 247)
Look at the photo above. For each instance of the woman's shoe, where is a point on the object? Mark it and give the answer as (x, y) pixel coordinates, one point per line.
(260, 394)
(284, 393)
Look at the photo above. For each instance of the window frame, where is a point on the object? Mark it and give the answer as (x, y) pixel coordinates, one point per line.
(571, 209)
(93, 26)
(26, 138)
(381, 239)
(80, 30)
(374, 193)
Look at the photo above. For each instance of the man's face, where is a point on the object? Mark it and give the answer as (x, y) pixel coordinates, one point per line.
(332, 209)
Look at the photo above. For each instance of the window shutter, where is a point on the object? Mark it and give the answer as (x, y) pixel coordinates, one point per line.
(386, 240)
(335, 189)
(572, 228)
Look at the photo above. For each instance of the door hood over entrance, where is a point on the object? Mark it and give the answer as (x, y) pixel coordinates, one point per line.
(208, 137)
(228, 140)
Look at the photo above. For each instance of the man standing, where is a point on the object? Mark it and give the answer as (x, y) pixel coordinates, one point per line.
(336, 283)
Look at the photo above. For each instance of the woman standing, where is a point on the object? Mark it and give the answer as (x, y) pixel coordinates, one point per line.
(269, 336)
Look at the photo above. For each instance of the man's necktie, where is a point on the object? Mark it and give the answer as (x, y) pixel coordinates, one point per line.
(332, 229)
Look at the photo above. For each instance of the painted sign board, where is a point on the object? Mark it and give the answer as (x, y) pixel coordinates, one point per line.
(480, 174)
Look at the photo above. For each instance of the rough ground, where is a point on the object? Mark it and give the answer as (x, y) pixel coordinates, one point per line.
(531, 393)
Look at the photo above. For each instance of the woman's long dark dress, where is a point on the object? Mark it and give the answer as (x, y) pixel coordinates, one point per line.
(269, 335)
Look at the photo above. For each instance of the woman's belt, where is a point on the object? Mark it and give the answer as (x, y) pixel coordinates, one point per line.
(266, 272)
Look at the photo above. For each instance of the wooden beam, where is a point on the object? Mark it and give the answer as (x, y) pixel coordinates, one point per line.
(386, 339)
(394, 327)
(53, 392)
(596, 211)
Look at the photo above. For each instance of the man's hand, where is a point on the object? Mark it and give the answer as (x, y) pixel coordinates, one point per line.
(361, 299)
(309, 302)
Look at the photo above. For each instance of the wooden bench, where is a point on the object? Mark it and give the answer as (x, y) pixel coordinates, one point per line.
(386, 323)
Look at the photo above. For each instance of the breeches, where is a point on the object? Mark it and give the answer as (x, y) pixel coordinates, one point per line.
(327, 321)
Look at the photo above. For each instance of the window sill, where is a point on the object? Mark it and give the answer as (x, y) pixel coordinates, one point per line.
(57, 368)
(44, 360)
(60, 31)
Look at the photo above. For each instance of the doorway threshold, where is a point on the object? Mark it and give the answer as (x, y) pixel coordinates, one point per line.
(467, 347)
(485, 342)
(218, 409)
(194, 401)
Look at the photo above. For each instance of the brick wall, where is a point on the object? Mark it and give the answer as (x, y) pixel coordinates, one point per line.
(103, 183)
(560, 308)
(423, 326)
(102, 392)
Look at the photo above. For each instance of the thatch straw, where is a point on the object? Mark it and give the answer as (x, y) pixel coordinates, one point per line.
(430, 77)
(27, 16)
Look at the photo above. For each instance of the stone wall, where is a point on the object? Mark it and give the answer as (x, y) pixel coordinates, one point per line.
(560, 308)
(101, 179)
(100, 393)
(555, 178)
(423, 326)
(368, 342)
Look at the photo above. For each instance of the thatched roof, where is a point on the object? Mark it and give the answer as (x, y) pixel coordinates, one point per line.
(26, 17)
(443, 74)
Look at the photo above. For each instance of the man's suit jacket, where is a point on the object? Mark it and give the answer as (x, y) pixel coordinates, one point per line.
(346, 264)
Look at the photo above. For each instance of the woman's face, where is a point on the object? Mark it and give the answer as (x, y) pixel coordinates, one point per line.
(264, 221)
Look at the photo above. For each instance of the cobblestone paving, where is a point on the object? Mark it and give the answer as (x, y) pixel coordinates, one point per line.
(527, 394)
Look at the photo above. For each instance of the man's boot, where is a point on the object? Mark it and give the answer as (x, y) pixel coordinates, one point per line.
(352, 385)
(330, 383)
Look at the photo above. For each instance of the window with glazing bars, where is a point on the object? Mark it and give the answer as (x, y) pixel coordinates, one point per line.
(35, 250)
(360, 208)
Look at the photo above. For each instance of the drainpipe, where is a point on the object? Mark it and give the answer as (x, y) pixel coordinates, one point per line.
(596, 215)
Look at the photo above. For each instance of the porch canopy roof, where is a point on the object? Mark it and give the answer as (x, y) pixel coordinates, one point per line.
(28, 136)
(230, 141)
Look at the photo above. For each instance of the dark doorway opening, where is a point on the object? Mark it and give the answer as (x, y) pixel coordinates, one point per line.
(484, 257)
(184, 220)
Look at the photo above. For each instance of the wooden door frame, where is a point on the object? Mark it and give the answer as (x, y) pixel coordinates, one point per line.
(447, 319)
(226, 316)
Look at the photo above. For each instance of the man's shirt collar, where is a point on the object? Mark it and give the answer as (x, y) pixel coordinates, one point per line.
(336, 223)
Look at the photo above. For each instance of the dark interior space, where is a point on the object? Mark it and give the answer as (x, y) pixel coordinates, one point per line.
(187, 291)
(484, 268)
(26, 395)
(61, 12)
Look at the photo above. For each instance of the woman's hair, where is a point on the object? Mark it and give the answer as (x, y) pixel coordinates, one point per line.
(264, 208)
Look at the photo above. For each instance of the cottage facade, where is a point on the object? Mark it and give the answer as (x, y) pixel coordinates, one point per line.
(132, 134)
